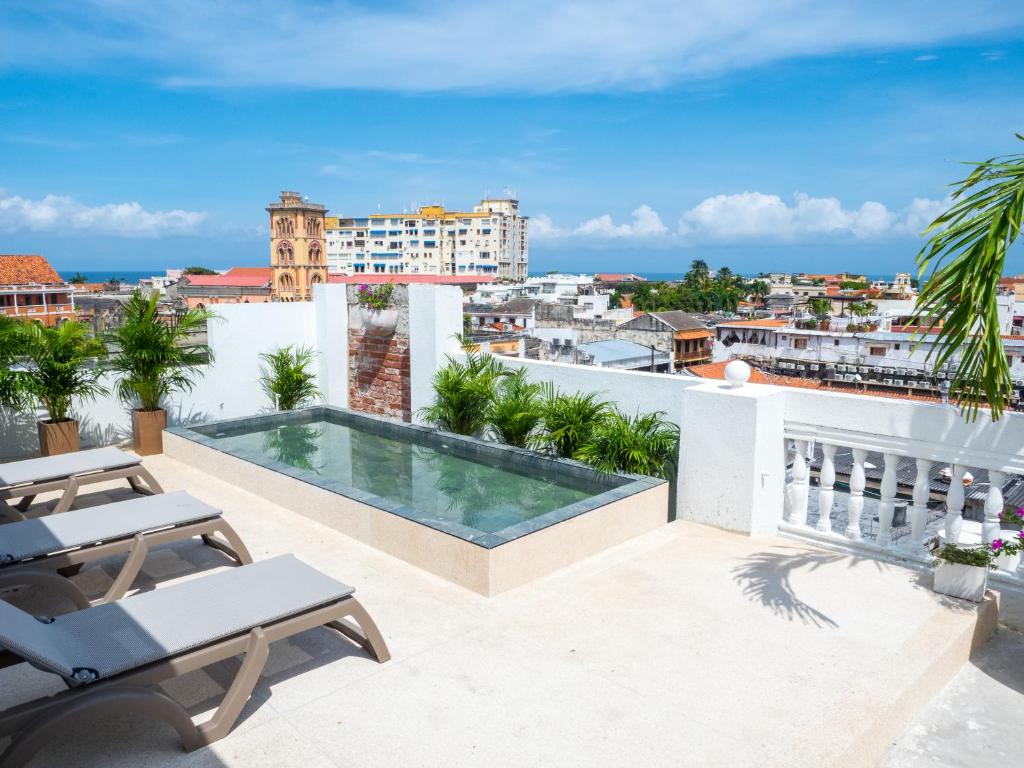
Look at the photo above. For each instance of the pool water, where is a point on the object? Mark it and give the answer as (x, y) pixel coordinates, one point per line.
(435, 484)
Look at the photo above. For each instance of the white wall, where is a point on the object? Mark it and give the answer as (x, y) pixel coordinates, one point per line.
(435, 322)
(330, 303)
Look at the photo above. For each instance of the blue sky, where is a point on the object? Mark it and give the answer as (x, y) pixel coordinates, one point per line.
(790, 135)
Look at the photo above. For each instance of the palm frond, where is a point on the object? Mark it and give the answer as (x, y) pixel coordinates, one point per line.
(288, 379)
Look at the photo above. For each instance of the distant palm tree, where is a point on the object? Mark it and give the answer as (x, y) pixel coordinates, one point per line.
(758, 291)
(820, 307)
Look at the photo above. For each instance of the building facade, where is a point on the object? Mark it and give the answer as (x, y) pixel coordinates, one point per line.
(239, 285)
(298, 250)
(491, 240)
(31, 289)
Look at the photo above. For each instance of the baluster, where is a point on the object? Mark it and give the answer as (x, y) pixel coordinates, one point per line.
(856, 503)
(919, 509)
(826, 486)
(955, 504)
(887, 504)
(798, 490)
(993, 506)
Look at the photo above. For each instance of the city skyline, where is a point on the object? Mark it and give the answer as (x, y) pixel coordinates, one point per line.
(151, 141)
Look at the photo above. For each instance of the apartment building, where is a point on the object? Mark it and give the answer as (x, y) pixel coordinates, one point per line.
(491, 240)
(31, 289)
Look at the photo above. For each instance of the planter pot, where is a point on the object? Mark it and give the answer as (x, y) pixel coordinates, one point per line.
(1008, 563)
(378, 322)
(148, 431)
(57, 437)
(965, 581)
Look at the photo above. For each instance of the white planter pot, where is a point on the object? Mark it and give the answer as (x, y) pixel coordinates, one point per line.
(1008, 563)
(378, 322)
(956, 580)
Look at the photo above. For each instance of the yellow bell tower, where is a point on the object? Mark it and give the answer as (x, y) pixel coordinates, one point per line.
(298, 252)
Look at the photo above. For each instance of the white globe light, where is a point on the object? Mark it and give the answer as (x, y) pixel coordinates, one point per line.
(737, 373)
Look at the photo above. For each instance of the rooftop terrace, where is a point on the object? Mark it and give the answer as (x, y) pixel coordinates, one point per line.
(686, 646)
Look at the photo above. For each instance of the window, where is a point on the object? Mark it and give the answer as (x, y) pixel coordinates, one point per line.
(895, 346)
(835, 342)
(876, 351)
(799, 343)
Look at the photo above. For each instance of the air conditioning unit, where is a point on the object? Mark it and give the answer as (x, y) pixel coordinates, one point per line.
(814, 366)
(876, 369)
(940, 375)
(898, 382)
(850, 377)
(887, 381)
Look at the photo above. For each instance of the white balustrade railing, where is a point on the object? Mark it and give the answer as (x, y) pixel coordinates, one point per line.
(803, 448)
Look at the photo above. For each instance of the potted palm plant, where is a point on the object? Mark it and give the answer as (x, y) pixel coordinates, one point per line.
(287, 377)
(57, 372)
(645, 444)
(375, 312)
(515, 412)
(463, 394)
(568, 420)
(155, 357)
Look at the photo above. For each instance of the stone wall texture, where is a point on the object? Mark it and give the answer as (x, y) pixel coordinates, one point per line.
(379, 365)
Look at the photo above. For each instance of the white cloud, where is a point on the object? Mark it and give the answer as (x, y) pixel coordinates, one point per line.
(60, 214)
(545, 45)
(755, 217)
(926, 57)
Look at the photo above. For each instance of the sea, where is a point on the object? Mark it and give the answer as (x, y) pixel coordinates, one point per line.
(106, 276)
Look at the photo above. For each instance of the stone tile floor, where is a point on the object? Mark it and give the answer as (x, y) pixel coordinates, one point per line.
(978, 718)
(687, 646)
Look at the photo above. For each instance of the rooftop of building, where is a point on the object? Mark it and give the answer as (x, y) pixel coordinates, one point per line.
(27, 269)
(617, 350)
(236, 277)
(679, 320)
(619, 277)
(374, 278)
(510, 307)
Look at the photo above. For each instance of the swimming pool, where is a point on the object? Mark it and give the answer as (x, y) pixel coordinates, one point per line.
(480, 493)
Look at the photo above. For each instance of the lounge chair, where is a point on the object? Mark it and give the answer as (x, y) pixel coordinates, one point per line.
(67, 472)
(110, 654)
(31, 550)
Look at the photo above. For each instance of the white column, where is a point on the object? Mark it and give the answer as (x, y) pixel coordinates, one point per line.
(919, 509)
(856, 504)
(799, 487)
(826, 487)
(993, 506)
(886, 506)
(955, 504)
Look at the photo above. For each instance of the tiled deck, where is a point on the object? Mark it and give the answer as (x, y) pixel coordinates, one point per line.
(688, 646)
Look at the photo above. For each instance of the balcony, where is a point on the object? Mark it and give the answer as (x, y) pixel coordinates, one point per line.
(749, 600)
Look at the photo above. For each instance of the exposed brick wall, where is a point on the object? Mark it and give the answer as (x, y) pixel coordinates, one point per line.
(379, 375)
(378, 380)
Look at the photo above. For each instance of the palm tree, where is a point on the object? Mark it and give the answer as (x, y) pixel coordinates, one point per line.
(515, 412)
(759, 291)
(58, 369)
(863, 309)
(287, 379)
(699, 275)
(645, 444)
(820, 307)
(966, 251)
(12, 390)
(463, 393)
(154, 358)
(568, 421)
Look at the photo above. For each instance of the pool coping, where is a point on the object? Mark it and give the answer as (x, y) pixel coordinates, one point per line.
(620, 485)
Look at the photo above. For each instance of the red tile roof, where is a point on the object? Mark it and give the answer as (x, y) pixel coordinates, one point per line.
(615, 277)
(237, 277)
(371, 279)
(20, 269)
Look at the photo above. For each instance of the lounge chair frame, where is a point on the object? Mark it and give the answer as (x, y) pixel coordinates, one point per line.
(138, 477)
(41, 570)
(36, 723)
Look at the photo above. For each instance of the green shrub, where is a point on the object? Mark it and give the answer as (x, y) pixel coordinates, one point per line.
(957, 555)
(645, 444)
(57, 362)
(568, 421)
(515, 412)
(463, 394)
(287, 378)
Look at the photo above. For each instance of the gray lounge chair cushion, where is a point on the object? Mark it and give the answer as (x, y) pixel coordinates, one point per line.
(64, 465)
(116, 637)
(108, 522)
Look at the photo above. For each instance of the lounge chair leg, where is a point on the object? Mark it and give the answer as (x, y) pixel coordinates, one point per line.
(25, 502)
(235, 548)
(41, 577)
(369, 638)
(256, 652)
(114, 700)
(151, 487)
(70, 493)
(130, 569)
(11, 511)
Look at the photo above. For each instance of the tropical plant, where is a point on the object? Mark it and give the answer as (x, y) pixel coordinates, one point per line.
(966, 252)
(698, 276)
(515, 412)
(57, 369)
(198, 271)
(375, 297)
(980, 556)
(820, 307)
(12, 391)
(154, 357)
(645, 444)
(568, 421)
(863, 309)
(758, 291)
(463, 393)
(287, 378)
(77, 279)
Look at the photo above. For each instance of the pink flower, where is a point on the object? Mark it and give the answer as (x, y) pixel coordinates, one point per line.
(997, 544)
(1020, 535)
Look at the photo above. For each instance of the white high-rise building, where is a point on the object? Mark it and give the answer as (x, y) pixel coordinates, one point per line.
(490, 240)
